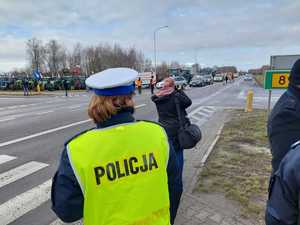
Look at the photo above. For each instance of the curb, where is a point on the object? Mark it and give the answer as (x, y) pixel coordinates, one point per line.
(194, 181)
(211, 147)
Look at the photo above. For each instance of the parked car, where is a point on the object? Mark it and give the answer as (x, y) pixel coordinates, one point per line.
(208, 79)
(159, 84)
(180, 82)
(248, 77)
(218, 78)
(197, 81)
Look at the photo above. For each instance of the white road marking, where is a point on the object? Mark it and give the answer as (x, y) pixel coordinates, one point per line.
(18, 106)
(140, 106)
(45, 112)
(51, 131)
(195, 110)
(213, 108)
(6, 158)
(13, 107)
(25, 202)
(74, 110)
(20, 172)
(74, 107)
(207, 110)
(59, 222)
(42, 133)
(202, 114)
(8, 119)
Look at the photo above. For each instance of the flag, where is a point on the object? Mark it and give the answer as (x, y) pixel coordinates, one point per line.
(37, 74)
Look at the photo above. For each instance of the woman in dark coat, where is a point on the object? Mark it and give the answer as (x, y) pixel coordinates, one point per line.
(167, 113)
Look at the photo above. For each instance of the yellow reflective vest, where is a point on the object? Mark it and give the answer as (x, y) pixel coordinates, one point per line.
(122, 171)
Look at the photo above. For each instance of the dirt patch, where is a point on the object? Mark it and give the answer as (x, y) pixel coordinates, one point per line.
(240, 164)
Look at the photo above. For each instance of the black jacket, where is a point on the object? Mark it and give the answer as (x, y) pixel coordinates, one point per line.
(167, 113)
(284, 125)
(284, 191)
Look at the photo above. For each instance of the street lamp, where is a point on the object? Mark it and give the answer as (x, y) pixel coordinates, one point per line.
(154, 42)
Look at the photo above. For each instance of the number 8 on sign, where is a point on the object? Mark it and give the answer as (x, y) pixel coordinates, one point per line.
(280, 80)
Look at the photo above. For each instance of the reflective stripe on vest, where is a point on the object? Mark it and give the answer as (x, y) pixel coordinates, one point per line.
(122, 171)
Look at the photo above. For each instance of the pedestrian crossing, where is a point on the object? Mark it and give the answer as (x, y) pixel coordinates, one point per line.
(21, 204)
(202, 114)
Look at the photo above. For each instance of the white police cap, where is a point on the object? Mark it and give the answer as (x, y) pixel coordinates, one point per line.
(113, 82)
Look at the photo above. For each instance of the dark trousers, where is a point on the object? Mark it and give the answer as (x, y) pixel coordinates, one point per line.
(26, 91)
(66, 92)
(152, 89)
(140, 89)
(180, 160)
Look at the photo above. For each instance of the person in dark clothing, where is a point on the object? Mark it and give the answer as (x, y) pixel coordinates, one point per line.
(26, 87)
(65, 84)
(152, 83)
(284, 130)
(284, 120)
(167, 114)
(284, 191)
(226, 79)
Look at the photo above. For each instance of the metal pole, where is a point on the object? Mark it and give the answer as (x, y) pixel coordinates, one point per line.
(154, 41)
(154, 45)
(269, 102)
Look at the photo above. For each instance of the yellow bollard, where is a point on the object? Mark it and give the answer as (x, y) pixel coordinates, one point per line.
(249, 102)
(38, 89)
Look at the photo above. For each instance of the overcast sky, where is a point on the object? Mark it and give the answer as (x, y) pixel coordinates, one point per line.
(213, 32)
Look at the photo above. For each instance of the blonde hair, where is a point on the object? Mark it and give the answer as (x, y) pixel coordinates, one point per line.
(102, 108)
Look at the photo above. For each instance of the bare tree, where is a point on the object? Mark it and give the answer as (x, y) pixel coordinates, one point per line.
(175, 65)
(36, 53)
(54, 56)
(148, 65)
(162, 71)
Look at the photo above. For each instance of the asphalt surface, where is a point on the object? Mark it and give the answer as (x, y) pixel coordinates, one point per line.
(33, 131)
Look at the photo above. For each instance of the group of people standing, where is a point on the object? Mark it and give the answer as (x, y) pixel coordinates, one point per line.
(229, 77)
(109, 176)
(139, 84)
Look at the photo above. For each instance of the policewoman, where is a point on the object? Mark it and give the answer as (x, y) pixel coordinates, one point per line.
(122, 172)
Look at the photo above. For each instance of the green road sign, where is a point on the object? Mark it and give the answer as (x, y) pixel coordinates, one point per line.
(276, 79)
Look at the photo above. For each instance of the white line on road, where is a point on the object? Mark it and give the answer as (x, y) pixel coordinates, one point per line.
(6, 158)
(50, 131)
(74, 106)
(207, 110)
(13, 107)
(74, 110)
(20, 172)
(45, 112)
(42, 133)
(7, 119)
(140, 106)
(25, 202)
(202, 114)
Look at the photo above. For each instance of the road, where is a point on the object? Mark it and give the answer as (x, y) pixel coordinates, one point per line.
(33, 131)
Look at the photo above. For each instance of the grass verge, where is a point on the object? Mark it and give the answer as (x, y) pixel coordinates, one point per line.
(240, 163)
